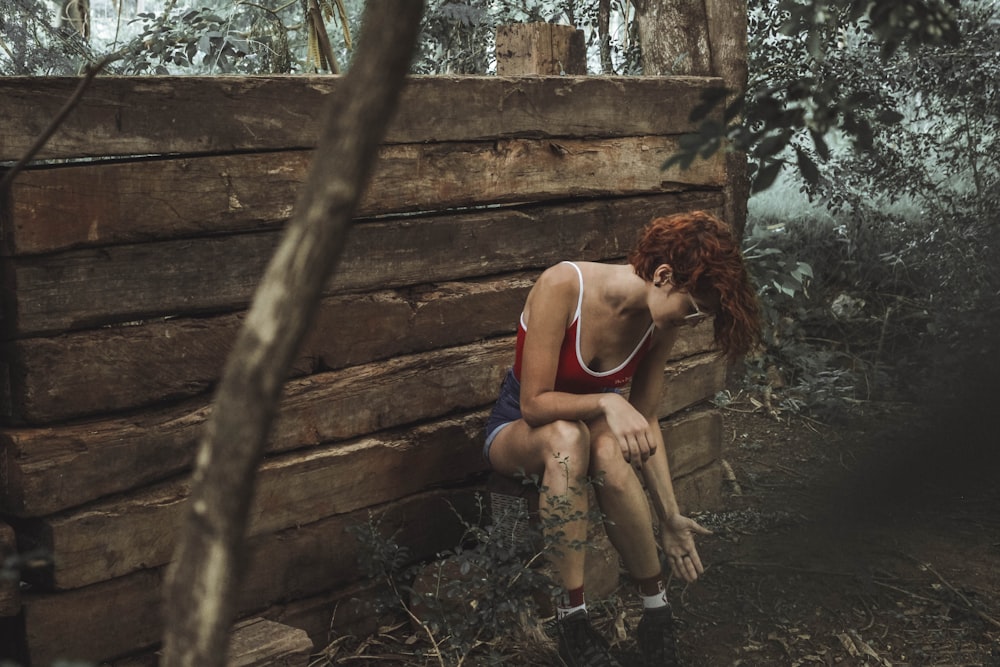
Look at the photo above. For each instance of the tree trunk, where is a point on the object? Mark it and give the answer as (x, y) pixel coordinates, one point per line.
(674, 37)
(207, 567)
(604, 35)
(727, 32)
(702, 38)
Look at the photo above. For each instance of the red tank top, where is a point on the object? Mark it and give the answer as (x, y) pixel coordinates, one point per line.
(573, 375)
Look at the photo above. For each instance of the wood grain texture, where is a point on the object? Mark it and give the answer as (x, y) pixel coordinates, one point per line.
(122, 534)
(91, 287)
(54, 468)
(258, 642)
(106, 370)
(306, 560)
(10, 590)
(57, 467)
(154, 115)
(101, 204)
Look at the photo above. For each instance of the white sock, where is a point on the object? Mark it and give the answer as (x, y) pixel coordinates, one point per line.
(563, 612)
(654, 601)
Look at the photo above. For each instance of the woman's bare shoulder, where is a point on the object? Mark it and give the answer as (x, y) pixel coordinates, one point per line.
(555, 292)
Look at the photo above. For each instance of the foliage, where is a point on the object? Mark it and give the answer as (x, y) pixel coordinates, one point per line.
(482, 591)
(231, 37)
(196, 38)
(32, 44)
(894, 139)
(801, 86)
(459, 35)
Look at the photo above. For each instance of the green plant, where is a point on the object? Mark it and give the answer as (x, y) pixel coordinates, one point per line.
(477, 596)
(32, 44)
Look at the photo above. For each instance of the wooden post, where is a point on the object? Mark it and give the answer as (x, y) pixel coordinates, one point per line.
(10, 597)
(524, 49)
(727, 32)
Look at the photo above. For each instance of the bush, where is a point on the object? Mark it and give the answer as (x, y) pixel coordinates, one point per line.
(481, 599)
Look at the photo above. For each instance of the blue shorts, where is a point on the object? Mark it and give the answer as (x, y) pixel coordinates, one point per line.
(506, 411)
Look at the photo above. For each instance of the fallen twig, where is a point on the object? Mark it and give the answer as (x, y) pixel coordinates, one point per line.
(968, 603)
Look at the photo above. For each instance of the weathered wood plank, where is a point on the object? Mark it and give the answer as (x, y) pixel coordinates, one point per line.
(258, 642)
(692, 381)
(90, 287)
(693, 441)
(300, 561)
(112, 537)
(53, 468)
(99, 204)
(328, 615)
(146, 115)
(69, 627)
(64, 624)
(700, 491)
(546, 49)
(111, 369)
(10, 590)
(102, 371)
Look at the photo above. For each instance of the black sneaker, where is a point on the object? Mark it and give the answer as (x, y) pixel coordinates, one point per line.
(580, 645)
(655, 637)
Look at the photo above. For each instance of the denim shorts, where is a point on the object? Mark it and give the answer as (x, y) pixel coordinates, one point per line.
(506, 411)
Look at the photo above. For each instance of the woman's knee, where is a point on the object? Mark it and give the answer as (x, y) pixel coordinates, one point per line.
(568, 443)
(608, 464)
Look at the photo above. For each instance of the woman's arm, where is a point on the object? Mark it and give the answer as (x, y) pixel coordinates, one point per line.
(676, 531)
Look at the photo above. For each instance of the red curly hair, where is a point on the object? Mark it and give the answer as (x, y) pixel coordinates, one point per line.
(705, 258)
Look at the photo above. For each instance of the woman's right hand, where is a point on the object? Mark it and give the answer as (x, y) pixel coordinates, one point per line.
(629, 427)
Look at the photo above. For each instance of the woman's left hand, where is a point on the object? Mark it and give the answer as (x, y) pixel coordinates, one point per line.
(677, 535)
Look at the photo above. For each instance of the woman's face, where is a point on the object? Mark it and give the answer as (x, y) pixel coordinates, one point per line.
(670, 306)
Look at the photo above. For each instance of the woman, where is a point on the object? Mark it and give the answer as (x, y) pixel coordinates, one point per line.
(588, 330)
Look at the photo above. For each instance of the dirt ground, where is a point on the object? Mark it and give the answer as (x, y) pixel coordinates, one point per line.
(874, 541)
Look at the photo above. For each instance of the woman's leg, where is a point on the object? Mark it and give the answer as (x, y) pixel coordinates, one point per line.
(560, 453)
(623, 501)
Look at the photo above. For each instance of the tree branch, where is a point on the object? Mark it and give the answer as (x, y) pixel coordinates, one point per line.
(204, 576)
(56, 123)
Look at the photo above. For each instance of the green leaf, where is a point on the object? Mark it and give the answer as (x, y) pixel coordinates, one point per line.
(819, 142)
(772, 145)
(890, 116)
(806, 166)
(766, 175)
(710, 99)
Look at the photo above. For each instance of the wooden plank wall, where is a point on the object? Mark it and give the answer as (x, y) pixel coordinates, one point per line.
(131, 251)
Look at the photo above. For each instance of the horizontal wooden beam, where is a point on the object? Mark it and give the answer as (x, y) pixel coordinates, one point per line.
(54, 468)
(693, 440)
(95, 204)
(155, 115)
(258, 642)
(125, 533)
(107, 370)
(64, 624)
(314, 565)
(86, 288)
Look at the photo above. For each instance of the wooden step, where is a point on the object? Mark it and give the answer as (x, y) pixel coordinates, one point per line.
(258, 642)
